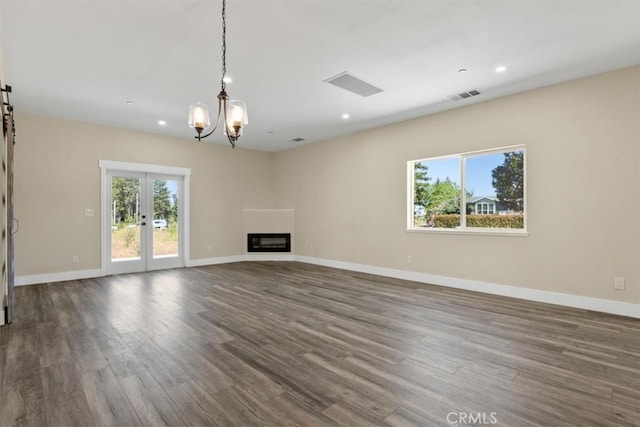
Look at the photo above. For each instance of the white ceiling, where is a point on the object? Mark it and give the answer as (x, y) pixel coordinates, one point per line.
(83, 59)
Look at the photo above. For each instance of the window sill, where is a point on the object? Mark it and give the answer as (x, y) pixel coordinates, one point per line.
(471, 231)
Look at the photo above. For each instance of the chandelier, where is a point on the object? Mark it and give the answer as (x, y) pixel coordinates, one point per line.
(233, 112)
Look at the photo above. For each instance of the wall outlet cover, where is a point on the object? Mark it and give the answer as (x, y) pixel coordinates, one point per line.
(618, 283)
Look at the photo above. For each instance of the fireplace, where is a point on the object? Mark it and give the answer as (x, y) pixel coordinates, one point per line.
(269, 242)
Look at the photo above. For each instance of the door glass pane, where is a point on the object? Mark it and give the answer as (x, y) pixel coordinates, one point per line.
(125, 218)
(165, 218)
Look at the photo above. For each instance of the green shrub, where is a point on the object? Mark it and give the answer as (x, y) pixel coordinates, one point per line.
(481, 221)
(496, 221)
(447, 221)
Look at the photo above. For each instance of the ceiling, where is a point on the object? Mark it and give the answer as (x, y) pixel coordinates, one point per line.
(83, 59)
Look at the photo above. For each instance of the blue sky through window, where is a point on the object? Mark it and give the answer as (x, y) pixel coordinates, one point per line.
(172, 186)
(448, 167)
(478, 172)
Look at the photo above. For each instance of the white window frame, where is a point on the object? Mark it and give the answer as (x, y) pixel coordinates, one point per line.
(463, 229)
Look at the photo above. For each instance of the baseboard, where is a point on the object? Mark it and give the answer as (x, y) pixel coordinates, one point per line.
(567, 300)
(270, 257)
(57, 277)
(239, 258)
(212, 261)
(88, 274)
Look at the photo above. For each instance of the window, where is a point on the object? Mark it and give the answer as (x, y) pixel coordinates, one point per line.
(490, 185)
(485, 208)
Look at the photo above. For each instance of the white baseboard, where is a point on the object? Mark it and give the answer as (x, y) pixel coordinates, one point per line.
(212, 261)
(567, 300)
(239, 258)
(88, 274)
(270, 257)
(57, 277)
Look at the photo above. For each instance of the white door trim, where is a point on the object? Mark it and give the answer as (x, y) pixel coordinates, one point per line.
(142, 167)
(110, 165)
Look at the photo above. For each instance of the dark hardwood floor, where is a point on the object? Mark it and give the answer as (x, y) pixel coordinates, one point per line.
(293, 344)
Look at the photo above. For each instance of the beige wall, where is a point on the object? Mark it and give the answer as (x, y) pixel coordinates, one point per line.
(2, 214)
(57, 177)
(269, 220)
(1, 65)
(583, 146)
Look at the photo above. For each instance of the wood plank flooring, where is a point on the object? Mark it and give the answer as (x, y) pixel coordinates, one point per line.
(290, 344)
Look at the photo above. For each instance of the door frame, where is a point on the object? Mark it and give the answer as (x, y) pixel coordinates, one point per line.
(116, 166)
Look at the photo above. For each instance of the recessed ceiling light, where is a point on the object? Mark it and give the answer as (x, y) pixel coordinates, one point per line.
(462, 70)
(501, 69)
(162, 122)
(129, 102)
(345, 116)
(227, 79)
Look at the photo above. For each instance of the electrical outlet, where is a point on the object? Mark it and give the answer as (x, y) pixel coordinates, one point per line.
(210, 249)
(89, 212)
(75, 259)
(409, 259)
(618, 283)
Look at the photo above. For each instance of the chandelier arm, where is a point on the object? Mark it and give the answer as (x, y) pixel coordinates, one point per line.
(231, 139)
(200, 137)
(220, 101)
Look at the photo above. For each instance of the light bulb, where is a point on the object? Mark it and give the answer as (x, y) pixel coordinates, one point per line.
(236, 115)
(199, 116)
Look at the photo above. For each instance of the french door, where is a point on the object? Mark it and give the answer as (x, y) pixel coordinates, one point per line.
(145, 221)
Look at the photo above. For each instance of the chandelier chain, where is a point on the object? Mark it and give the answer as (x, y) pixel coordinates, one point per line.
(224, 44)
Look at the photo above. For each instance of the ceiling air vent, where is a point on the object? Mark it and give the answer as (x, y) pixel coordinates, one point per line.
(297, 139)
(353, 84)
(464, 95)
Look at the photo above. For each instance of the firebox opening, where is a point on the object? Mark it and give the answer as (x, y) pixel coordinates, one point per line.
(269, 242)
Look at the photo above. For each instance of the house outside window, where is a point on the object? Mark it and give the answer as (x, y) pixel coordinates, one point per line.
(483, 207)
